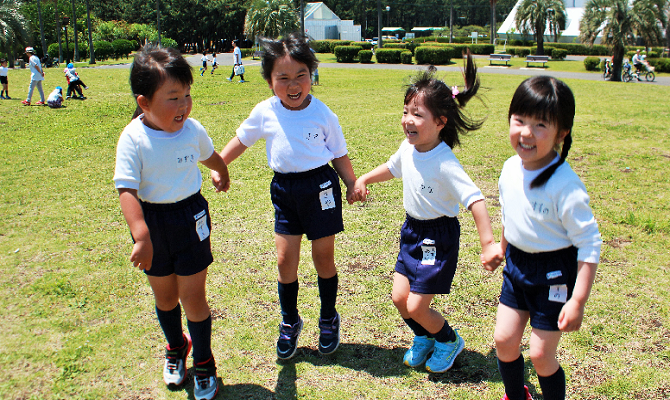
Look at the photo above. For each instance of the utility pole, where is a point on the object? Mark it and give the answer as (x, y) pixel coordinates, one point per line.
(379, 24)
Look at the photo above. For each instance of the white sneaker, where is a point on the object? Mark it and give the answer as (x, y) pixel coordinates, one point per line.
(206, 384)
(174, 369)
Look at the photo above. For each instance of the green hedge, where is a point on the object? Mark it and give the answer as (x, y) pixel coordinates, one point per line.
(592, 63)
(365, 45)
(320, 46)
(559, 54)
(335, 43)
(365, 56)
(103, 50)
(661, 64)
(52, 50)
(346, 54)
(433, 55)
(406, 57)
(394, 46)
(388, 56)
(123, 48)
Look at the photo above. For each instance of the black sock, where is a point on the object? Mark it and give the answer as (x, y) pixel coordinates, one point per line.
(553, 387)
(170, 322)
(201, 335)
(512, 377)
(328, 295)
(446, 334)
(288, 300)
(417, 328)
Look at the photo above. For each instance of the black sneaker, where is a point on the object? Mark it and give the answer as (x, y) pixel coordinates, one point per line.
(287, 344)
(329, 339)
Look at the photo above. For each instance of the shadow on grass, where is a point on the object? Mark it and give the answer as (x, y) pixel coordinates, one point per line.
(248, 391)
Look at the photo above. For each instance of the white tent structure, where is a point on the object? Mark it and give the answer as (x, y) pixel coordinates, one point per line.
(321, 23)
(574, 10)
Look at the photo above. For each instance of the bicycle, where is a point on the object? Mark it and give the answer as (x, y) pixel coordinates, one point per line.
(628, 75)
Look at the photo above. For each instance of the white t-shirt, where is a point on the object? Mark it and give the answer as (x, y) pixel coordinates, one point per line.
(161, 166)
(4, 71)
(55, 95)
(434, 182)
(295, 141)
(551, 217)
(237, 56)
(71, 75)
(34, 62)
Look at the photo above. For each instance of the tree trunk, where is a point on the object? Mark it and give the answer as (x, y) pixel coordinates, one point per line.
(539, 32)
(74, 29)
(617, 61)
(91, 52)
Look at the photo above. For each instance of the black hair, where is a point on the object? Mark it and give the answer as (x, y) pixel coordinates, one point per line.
(293, 45)
(549, 99)
(152, 66)
(443, 101)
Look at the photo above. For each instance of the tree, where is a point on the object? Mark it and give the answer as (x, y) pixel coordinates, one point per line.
(532, 16)
(271, 18)
(493, 21)
(13, 27)
(616, 21)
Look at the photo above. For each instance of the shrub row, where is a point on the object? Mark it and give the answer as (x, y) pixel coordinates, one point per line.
(103, 49)
(518, 51)
(388, 56)
(592, 63)
(661, 64)
(347, 54)
(437, 55)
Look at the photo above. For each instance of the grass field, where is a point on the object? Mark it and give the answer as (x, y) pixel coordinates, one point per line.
(79, 322)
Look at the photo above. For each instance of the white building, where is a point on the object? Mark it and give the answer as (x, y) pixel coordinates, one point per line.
(574, 10)
(321, 23)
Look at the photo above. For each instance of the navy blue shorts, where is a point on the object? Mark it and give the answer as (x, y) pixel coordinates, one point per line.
(429, 253)
(308, 203)
(180, 234)
(539, 283)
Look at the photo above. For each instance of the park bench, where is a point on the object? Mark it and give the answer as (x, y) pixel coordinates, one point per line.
(258, 54)
(537, 59)
(499, 57)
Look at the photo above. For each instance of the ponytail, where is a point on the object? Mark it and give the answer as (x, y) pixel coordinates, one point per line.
(547, 173)
(443, 101)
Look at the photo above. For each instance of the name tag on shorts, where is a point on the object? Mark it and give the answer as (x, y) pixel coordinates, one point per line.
(327, 199)
(558, 293)
(429, 253)
(201, 225)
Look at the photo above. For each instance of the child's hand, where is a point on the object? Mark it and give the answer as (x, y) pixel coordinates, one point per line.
(142, 254)
(220, 182)
(360, 191)
(571, 316)
(492, 256)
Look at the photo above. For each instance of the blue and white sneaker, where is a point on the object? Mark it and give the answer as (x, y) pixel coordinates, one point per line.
(444, 355)
(287, 344)
(206, 384)
(174, 369)
(419, 352)
(329, 338)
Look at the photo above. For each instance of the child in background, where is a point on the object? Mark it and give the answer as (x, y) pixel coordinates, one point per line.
(550, 238)
(55, 99)
(302, 136)
(159, 183)
(237, 61)
(4, 94)
(36, 78)
(204, 60)
(214, 64)
(74, 82)
(434, 183)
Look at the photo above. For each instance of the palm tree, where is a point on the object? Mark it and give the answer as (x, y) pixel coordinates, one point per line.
(616, 21)
(532, 16)
(13, 27)
(493, 21)
(271, 18)
(649, 13)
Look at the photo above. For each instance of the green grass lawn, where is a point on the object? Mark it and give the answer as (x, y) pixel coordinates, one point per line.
(78, 320)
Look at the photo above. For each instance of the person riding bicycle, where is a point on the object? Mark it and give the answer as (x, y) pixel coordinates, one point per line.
(638, 62)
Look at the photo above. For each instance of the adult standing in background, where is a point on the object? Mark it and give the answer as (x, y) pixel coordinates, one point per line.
(237, 60)
(36, 77)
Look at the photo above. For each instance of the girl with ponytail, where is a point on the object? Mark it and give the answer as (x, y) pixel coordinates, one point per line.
(434, 185)
(550, 238)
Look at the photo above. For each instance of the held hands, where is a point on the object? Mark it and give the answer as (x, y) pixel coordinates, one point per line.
(142, 254)
(359, 192)
(571, 316)
(492, 256)
(221, 181)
